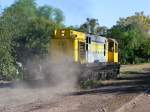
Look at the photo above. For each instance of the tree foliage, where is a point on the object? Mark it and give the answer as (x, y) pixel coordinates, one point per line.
(7, 66)
(25, 32)
(92, 26)
(133, 34)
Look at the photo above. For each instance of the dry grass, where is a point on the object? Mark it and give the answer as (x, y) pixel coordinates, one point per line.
(127, 71)
(135, 68)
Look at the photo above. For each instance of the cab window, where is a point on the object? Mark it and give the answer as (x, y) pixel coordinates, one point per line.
(104, 49)
(111, 47)
(88, 40)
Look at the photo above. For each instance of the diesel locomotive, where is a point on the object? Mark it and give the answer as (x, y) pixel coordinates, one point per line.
(95, 56)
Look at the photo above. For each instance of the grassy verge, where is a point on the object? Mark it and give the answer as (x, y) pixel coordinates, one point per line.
(135, 68)
(89, 84)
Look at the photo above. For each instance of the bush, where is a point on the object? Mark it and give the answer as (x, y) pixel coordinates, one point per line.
(89, 84)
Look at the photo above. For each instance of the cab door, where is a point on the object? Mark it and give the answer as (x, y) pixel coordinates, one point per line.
(110, 51)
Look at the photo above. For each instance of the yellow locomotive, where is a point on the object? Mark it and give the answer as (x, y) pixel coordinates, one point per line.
(97, 56)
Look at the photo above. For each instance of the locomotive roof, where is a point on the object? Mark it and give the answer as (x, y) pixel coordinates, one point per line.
(111, 39)
(100, 39)
(96, 38)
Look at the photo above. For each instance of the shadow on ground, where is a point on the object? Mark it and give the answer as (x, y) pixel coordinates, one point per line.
(133, 82)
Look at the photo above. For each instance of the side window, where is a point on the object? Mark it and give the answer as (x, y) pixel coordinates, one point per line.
(116, 47)
(86, 47)
(104, 49)
(89, 40)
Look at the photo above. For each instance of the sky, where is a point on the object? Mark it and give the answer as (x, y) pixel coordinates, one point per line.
(106, 11)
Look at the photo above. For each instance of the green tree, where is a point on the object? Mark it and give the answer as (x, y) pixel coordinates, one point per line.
(7, 61)
(130, 33)
(143, 51)
(55, 15)
(58, 17)
(89, 26)
(27, 30)
(92, 26)
(73, 27)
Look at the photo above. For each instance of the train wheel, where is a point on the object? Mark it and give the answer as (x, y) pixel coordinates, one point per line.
(99, 76)
(103, 76)
(115, 75)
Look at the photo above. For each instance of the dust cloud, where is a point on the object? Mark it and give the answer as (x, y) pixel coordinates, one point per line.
(50, 73)
(46, 80)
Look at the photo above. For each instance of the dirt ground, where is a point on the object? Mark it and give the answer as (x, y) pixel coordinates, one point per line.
(140, 104)
(126, 94)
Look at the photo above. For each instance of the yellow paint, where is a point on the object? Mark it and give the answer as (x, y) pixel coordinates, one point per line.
(99, 47)
(113, 55)
(110, 57)
(78, 35)
(116, 57)
(76, 58)
(66, 33)
(61, 49)
(106, 51)
(65, 43)
(93, 47)
(116, 52)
